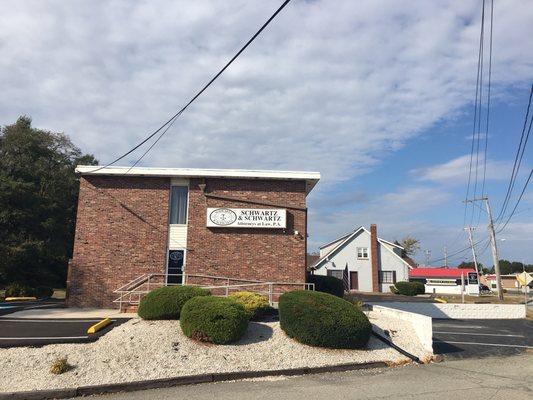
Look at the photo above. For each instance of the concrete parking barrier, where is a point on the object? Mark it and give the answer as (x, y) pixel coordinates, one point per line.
(19, 298)
(99, 325)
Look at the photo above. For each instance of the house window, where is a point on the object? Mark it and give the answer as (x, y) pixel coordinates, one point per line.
(335, 274)
(362, 252)
(178, 204)
(387, 276)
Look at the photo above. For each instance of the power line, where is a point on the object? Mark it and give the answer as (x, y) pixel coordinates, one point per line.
(519, 155)
(457, 252)
(171, 121)
(477, 119)
(478, 122)
(518, 202)
(488, 97)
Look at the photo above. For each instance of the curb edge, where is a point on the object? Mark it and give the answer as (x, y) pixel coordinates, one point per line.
(181, 381)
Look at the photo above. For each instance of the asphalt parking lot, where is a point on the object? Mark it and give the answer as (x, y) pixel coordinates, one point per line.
(456, 339)
(38, 323)
(8, 307)
(17, 332)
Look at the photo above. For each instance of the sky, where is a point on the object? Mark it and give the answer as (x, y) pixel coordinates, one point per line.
(378, 96)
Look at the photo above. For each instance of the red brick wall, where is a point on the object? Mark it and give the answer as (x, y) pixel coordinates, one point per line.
(374, 254)
(247, 253)
(121, 233)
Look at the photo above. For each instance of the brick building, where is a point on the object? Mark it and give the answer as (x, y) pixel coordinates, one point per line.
(186, 224)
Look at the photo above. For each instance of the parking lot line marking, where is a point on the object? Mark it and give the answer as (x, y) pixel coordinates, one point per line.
(40, 306)
(490, 344)
(479, 334)
(44, 338)
(462, 326)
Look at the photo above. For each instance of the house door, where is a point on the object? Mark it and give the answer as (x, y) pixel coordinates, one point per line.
(354, 282)
(175, 266)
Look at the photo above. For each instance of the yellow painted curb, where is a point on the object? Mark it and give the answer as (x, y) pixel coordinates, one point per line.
(19, 298)
(440, 300)
(99, 325)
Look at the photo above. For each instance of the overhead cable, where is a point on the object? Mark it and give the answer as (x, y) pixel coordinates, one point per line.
(518, 158)
(172, 119)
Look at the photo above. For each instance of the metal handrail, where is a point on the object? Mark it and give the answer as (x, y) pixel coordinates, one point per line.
(146, 280)
(131, 283)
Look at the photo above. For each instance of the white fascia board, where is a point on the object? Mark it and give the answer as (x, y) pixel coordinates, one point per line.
(311, 178)
(343, 237)
(342, 243)
(397, 256)
(392, 244)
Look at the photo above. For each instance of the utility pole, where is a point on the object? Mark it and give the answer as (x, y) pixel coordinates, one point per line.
(471, 240)
(493, 242)
(445, 257)
(428, 253)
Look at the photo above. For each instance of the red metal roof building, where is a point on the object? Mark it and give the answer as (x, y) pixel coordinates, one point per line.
(439, 272)
(446, 280)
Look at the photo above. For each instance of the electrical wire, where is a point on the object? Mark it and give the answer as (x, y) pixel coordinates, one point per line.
(457, 252)
(172, 119)
(488, 110)
(518, 202)
(477, 113)
(478, 122)
(488, 97)
(518, 159)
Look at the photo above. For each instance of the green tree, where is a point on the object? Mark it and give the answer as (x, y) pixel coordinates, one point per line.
(470, 265)
(410, 245)
(38, 199)
(511, 267)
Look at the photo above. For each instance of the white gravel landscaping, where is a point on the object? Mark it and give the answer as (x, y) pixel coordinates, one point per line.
(140, 350)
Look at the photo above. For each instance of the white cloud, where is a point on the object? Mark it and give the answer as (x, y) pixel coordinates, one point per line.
(397, 214)
(324, 88)
(333, 88)
(456, 171)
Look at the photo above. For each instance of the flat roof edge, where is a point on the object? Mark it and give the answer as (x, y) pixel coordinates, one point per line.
(311, 178)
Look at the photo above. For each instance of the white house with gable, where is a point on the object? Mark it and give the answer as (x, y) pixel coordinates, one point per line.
(373, 264)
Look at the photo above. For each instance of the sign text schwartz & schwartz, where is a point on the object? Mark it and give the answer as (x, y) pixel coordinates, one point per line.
(247, 217)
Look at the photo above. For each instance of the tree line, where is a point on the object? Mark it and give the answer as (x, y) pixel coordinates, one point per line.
(38, 200)
(506, 267)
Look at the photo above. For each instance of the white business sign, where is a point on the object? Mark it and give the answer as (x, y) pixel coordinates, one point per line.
(246, 218)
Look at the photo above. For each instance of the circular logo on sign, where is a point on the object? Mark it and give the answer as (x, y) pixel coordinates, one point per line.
(223, 217)
(176, 256)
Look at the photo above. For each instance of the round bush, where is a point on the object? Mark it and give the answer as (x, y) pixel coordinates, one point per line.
(327, 284)
(324, 320)
(19, 290)
(409, 288)
(420, 288)
(167, 302)
(254, 304)
(219, 320)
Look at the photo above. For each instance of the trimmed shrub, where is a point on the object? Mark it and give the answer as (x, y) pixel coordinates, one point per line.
(409, 288)
(254, 304)
(324, 320)
(19, 290)
(167, 302)
(44, 292)
(327, 284)
(219, 320)
(420, 288)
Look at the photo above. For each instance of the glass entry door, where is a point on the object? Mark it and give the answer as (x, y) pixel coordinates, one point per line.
(175, 266)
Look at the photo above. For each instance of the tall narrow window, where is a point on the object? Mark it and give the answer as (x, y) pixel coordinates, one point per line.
(178, 205)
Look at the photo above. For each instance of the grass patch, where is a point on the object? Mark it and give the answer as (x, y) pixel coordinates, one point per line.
(59, 294)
